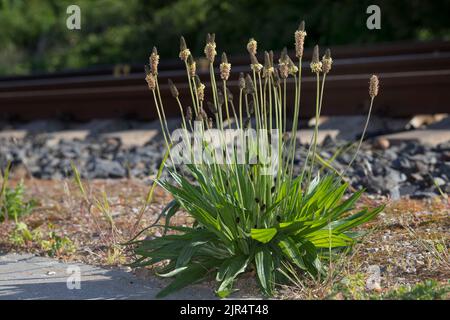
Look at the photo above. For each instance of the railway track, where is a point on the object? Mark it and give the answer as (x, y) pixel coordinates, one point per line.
(415, 79)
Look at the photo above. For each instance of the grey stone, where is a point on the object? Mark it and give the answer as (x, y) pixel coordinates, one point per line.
(405, 168)
(407, 189)
(101, 168)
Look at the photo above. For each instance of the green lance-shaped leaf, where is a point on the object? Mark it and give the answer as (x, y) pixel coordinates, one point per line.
(228, 272)
(265, 269)
(263, 235)
(192, 274)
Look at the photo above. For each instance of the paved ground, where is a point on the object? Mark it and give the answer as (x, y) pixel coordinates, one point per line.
(24, 276)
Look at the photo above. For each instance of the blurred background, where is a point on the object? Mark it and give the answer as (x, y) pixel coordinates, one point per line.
(35, 39)
(80, 95)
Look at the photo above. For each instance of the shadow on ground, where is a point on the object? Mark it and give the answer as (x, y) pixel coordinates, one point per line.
(24, 276)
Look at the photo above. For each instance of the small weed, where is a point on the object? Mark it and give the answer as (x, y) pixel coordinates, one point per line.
(350, 287)
(115, 256)
(12, 203)
(101, 204)
(353, 287)
(438, 248)
(15, 205)
(53, 244)
(427, 290)
(57, 245)
(21, 235)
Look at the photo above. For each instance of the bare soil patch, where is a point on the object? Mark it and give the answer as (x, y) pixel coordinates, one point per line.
(408, 242)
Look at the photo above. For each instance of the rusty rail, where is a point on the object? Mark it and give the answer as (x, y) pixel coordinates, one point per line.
(415, 78)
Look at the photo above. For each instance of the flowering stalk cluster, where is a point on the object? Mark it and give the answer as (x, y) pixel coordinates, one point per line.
(243, 214)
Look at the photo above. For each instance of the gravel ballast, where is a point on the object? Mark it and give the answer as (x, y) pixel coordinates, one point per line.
(405, 169)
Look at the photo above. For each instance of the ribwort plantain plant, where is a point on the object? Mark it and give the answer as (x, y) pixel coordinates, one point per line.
(251, 212)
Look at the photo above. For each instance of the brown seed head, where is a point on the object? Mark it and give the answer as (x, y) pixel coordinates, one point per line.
(241, 81)
(255, 65)
(151, 81)
(173, 89)
(220, 98)
(225, 67)
(301, 26)
(284, 70)
(210, 123)
(315, 57)
(327, 61)
(210, 52)
(373, 86)
(224, 58)
(184, 54)
(268, 65)
(249, 87)
(283, 64)
(300, 35)
(210, 47)
(283, 56)
(200, 88)
(154, 61)
(184, 51)
(147, 69)
(276, 78)
(316, 65)
(253, 59)
(252, 46)
(189, 113)
(293, 69)
(251, 108)
(266, 60)
(192, 68)
(183, 45)
(211, 38)
(201, 92)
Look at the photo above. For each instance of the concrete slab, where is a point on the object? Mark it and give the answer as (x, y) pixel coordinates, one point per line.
(428, 120)
(143, 133)
(306, 135)
(56, 137)
(13, 134)
(134, 137)
(442, 124)
(428, 136)
(99, 126)
(350, 127)
(24, 276)
(43, 126)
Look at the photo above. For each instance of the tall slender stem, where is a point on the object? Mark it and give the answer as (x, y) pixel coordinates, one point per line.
(316, 127)
(226, 103)
(190, 89)
(361, 139)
